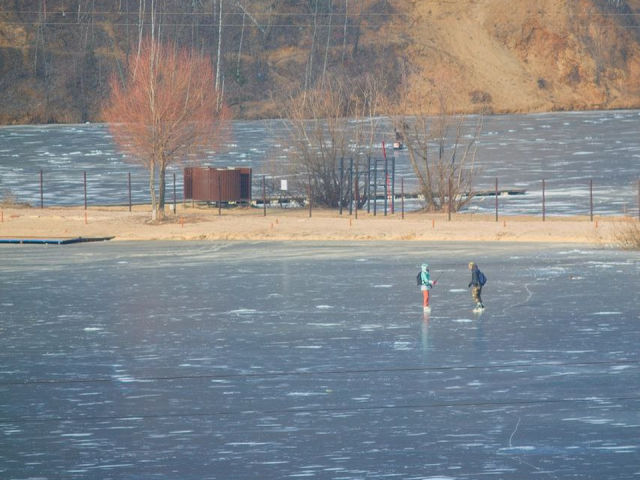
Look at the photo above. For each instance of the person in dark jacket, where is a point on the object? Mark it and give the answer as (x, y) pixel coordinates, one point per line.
(476, 285)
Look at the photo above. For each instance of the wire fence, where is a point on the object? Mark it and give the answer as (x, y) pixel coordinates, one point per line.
(543, 199)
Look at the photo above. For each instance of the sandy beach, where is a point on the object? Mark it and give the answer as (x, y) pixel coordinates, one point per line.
(204, 223)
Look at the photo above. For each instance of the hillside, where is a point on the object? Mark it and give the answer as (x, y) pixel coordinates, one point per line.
(56, 56)
(533, 55)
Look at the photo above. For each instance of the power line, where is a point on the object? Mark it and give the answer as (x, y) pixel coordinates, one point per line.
(74, 13)
(200, 25)
(326, 372)
(277, 14)
(329, 410)
(286, 25)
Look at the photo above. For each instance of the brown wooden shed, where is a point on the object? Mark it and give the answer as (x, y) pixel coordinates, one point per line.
(226, 185)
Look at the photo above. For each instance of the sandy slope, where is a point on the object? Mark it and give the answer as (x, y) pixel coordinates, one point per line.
(526, 55)
(250, 224)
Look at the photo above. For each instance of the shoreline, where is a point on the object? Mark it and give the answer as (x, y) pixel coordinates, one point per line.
(505, 111)
(250, 224)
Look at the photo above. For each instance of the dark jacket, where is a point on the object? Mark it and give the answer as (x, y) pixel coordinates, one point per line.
(475, 281)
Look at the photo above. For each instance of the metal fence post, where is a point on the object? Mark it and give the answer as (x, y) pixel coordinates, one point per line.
(368, 185)
(393, 184)
(85, 189)
(356, 192)
(450, 205)
(402, 195)
(175, 205)
(496, 199)
(129, 191)
(264, 196)
(41, 190)
(219, 195)
(544, 211)
(310, 197)
(184, 197)
(351, 186)
(340, 184)
(591, 199)
(375, 187)
(386, 185)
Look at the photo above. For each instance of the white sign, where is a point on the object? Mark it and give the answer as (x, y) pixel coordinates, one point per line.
(283, 185)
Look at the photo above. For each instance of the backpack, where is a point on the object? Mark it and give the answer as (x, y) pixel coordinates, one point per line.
(419, 279)
(482, 278)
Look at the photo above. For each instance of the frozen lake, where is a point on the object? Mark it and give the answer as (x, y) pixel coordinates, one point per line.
(192, 361)
(566, 149)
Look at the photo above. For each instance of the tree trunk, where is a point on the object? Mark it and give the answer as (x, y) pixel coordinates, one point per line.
(326, 48)
(344, 33)
(307, 80)
(357, 39)
(219, 57)
(152, 190)
(161, 188)
(240, 49)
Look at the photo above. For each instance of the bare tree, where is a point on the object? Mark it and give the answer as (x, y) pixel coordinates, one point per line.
(166, 111)
(356, 41)
(309, 72)
(336, 120)
(344, 32)
(326, 48)
(240, 45)
(219, 55)
(441, 150)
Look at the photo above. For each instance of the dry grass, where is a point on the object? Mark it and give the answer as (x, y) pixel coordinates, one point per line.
(627, 234)
(8, 200)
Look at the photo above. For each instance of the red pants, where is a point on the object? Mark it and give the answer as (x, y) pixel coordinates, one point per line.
(425, 298)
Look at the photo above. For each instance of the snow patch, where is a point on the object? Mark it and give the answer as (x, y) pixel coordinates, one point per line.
(517, 449)
(242, 311)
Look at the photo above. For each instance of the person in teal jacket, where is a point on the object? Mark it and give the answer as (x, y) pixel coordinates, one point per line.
(426, 285)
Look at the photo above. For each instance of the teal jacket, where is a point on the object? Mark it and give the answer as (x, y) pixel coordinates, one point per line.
(426, 279)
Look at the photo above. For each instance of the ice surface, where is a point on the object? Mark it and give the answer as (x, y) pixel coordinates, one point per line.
(199, 361)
